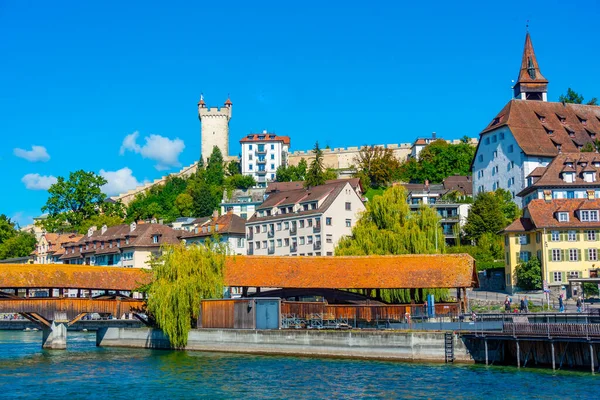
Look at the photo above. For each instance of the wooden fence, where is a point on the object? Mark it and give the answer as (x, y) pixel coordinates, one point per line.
(552, 330)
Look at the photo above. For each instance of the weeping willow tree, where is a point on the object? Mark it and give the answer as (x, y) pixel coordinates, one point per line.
(181, 277)
(388, 226)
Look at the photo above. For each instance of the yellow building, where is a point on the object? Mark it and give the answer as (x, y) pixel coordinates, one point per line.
(564, 234)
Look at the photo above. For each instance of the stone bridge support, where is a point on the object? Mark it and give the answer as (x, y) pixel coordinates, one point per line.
(55, 336)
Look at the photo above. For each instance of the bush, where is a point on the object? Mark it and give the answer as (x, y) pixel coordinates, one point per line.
(529, 275)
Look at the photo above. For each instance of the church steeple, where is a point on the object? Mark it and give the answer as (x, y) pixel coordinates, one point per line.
(531, 84)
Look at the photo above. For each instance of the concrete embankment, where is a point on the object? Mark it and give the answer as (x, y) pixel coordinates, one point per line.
(390, 345)
(90, 325)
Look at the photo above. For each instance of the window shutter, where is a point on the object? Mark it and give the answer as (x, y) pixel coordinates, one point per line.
(578, 236)
(562, 255)
(551, 277)
(562, 236)
(516, 239)
(549, 255)
(518, 258)
(578, 254)
(585, 236)
(549, 237)
(587, 255)
(596, 235)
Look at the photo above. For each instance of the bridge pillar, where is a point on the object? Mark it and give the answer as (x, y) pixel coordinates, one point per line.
(55, 336)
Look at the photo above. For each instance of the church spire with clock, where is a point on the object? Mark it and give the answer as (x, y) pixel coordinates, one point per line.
(531, 84)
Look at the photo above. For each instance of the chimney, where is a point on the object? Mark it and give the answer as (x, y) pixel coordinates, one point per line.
(153, 221)
(433, 135)
(215, 215)
(132, 226)
(104, 228)
(161, 221)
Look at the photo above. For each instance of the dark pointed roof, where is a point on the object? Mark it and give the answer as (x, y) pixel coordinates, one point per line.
(228, 102)
(530, 70)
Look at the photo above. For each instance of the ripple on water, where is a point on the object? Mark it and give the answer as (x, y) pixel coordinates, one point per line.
(85, 371)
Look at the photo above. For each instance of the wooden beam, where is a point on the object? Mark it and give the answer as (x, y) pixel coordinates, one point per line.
(77, 318)
(41, 319)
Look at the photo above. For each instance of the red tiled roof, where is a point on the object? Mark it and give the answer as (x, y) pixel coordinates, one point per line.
(385, 272)
(520, 225)
(529, 56)
(543, 213)
(550, 176)
(532, 121)
(254, 138)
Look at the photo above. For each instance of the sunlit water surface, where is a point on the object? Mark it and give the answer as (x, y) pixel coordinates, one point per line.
(85, 371)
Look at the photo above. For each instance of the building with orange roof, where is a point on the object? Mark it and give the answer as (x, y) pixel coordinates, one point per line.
(262, 154)
(51, 246)
(564, 234)
(529, 132)
(230, 228)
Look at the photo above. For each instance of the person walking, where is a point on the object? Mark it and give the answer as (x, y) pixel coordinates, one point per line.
(526, 305)
(579, 303)
(507, 304)
(522, 305)
(561, 305)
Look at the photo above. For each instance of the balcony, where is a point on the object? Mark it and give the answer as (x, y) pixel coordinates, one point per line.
(250, 235)
(271, 250)
(261, 151)
(250, 252)
(293, 248)
(317, 245)
(293, 230)
(261, 161)
(270, 233)
(317, 228)
(261, 172)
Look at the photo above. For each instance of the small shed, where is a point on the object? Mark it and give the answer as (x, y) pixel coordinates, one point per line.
(252, 313)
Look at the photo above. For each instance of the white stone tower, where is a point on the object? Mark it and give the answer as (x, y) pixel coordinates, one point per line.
(214, 128)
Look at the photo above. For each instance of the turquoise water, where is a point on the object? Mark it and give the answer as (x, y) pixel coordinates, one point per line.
(87, 372)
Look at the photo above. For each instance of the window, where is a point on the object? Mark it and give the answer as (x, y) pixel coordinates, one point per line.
(256, 229)
(309, 222)
(487, 140)
(572, 236)
(250, 147)
(511, 148)
(555, 236)
(286, 242)
(524, 256)
(573, 255)
(250, 167)
(154, 239)
(348, 206)
(501, 135)
(495, 155)
(555, 255)
(494, 139)
(557, 275)
(574, 274)
(328, 221)
(272, 166)
(329, 253)
(592, 254)
(264, 244)
(279, 226)
(348, 223)
(329, 238)
(591, 215)
(272, 147)
(301, 223)
(240, 242)
(524, 239)
(480, 158)
(272, 156)
(279, 242)
(263, 228)
(563, 217)
(309, 239)
(301, 240)
(591, 235)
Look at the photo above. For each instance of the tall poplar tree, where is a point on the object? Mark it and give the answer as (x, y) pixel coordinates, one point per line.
(315, 175)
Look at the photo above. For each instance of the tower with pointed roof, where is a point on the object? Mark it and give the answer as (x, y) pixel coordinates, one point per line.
(214, 130)
(531, 84)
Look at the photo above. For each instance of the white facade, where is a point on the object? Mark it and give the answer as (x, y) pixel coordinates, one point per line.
(500, 163)
(262, 154)
(214, 129)
(308, 234)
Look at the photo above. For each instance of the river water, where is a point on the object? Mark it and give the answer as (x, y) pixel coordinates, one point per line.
(87, 372)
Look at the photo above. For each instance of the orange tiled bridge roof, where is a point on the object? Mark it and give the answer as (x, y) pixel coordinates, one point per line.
(372, 272)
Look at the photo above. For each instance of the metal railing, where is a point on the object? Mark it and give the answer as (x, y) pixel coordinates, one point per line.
(317, 228)
(317, 245)
(293, 248)
(270, 233)
(271, 250)
(293, 230)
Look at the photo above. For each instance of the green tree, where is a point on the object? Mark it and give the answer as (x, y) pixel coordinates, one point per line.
(185, 204)
(240, 181)
(100, 220)
(233, 168)
(490, 213)
(158, 202)
(181, 278)
(74, 200)
(13, 242)
(292, 173)
(215, 171)
(315, 175)
(529, 275)
(437, 161)
(206, 198)
(377, 164)
(388, 226)
(575, 98)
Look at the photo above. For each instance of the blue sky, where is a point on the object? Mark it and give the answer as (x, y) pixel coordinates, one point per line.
(77, 78)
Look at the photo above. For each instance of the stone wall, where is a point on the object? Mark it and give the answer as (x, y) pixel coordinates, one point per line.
(492, 280)
(393, 345)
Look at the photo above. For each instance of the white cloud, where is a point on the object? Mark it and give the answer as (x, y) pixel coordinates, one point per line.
(37, 153)
(158, 148)
(119, 181)
(38, 182)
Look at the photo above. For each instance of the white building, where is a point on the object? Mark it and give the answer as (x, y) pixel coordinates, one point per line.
(304, 222)
(242, 202)
(262, 154)
(214, 130)
(529, 132)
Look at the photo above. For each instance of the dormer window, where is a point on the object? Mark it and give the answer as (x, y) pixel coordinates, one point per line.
(549, 131)
(561, 118)
(589, 176)
(588, 215)
(155, 239)
(563, 217)
(118, 242)
(569, 177)
(558, 147)
(271, 136)
(541, 118)
(582, 120)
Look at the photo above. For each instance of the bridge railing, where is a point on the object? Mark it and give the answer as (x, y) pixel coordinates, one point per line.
(552, 330)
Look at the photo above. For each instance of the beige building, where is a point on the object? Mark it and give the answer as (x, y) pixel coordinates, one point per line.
(214, 123)
(124, 245)
(51, 246)
(564, 234)
(304, 222)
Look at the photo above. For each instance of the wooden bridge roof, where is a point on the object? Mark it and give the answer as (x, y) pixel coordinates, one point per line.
(372, 272)
(32, 276)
